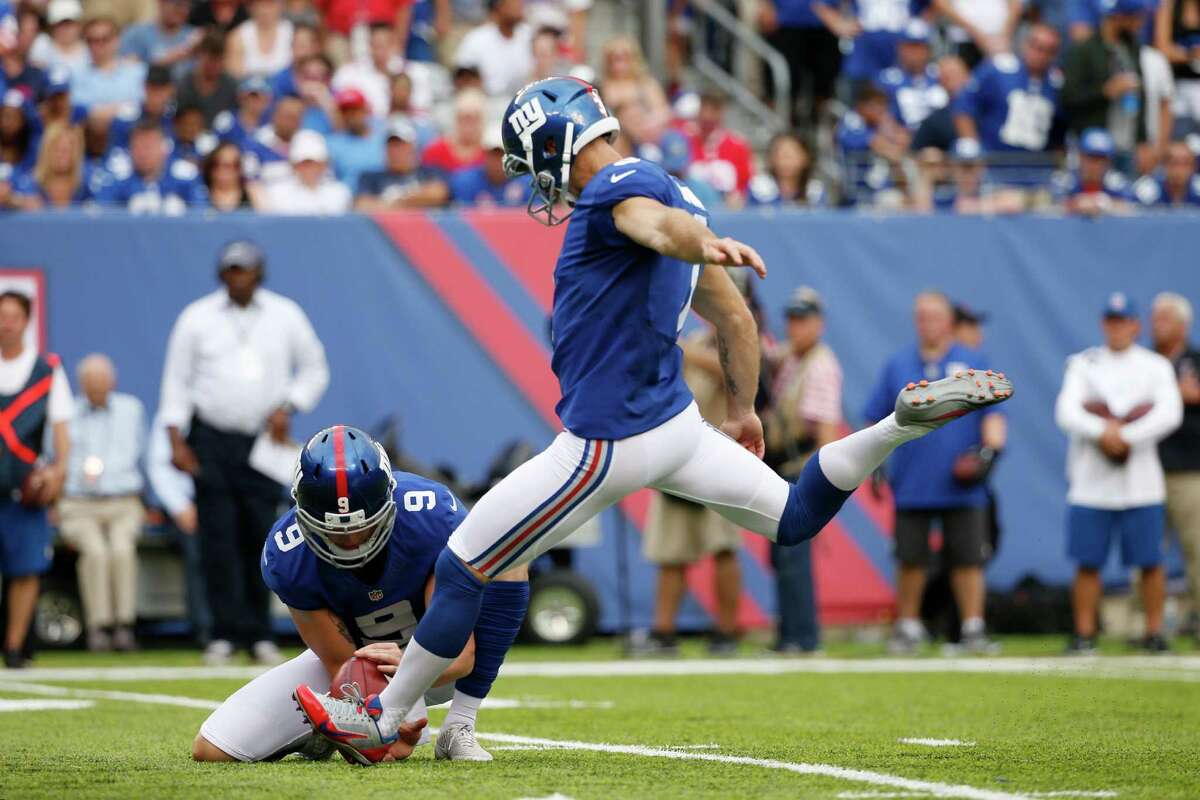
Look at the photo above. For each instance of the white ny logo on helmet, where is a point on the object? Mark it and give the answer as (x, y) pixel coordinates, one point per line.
(527, 118)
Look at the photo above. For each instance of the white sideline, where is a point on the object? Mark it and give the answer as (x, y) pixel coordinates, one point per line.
(936, 742)
(44, 705)
(1165, 668)
(930, 788)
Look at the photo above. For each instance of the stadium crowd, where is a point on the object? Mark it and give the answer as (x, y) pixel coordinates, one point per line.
(320, 106)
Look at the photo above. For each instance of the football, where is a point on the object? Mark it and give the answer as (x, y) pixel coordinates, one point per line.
(361, 672)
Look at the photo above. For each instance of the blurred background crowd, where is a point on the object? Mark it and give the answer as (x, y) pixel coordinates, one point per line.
(321, 106)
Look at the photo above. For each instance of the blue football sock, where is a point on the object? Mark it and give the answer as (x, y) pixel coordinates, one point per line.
(453, 609)
(812, 502)
(500, 617)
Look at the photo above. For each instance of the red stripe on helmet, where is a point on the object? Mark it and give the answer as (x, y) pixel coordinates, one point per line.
(339, 460)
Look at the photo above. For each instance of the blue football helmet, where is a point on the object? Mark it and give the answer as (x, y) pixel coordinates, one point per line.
(544, 128)
(343, 488)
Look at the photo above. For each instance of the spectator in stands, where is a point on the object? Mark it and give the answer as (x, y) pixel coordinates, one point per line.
(286, 120)
(404, 182)
(63, 45)
(244, 122)
(500, 49)
(340, 17)
(463, 147)
(811, 49)
(191, 140)
(548, 61)
(372, 77)
(158, 105)
(306, 42)
(313, 87)
(1095, 188)
(108, 83)
(680, 533)
(101, 512)
(208, 86)
(721, 158)
(218, 16)
(874, 30)
(652, 139)
(240, 362)
(934, 491)
(228, 189)
(1177, 36)
(168, 41)
(1010, 105)
(912, 85)
(1171, 322)
(155, 186)
(568, 17)
(359, 146)
(54, 105)
(487, 184)
(58, 180)
(175, 491)
(1178, 186)
(262, 45)
(938, 130)
(968, 326)
(980, 29)
(1103, 83)
(26, 486)
(624, 79)
(17, 138)
(788, 180)
(8, 200)
(1117, 402)
(420, 26)
(310, 189)
(805, 414)
(401, 108)
(871, 143)
(16, 71)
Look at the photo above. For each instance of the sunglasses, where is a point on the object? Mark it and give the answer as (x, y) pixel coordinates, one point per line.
(100, 39)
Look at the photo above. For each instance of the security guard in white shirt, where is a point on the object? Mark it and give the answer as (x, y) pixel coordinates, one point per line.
(1117, 402)
(240, 361)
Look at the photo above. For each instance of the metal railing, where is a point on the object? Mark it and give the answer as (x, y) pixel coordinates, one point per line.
(736, 84)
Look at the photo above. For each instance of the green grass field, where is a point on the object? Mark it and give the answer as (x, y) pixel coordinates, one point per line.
(1030, 725)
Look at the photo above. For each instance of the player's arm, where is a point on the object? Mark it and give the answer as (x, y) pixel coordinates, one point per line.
(719, 301)
(677, 234)
(325, 635)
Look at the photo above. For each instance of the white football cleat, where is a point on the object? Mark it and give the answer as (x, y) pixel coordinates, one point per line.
(457, 742)
(931, 404)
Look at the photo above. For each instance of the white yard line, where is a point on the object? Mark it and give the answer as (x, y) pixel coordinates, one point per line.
(44, 705)
(882, 795)
(936, 742)
(930, 788)
(1166, 668)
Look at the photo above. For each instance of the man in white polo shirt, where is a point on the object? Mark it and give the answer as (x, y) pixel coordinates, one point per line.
(1117, 402)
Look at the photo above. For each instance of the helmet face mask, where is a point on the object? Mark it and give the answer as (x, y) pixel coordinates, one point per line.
(340, 534)
(547, 124)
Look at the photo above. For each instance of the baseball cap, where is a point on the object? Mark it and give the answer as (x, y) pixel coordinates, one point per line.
(965, 313)
(1123, 7)
(308, 146)
(966, 150)
(158, 75)
(403, 130)
(1097, 142)
(13, 98)
(62, 11)
(58, 81)
(1119, 306)
(917, 30)
(350, 98)
(241, 253)
(803, 301)
(492, 139)
(254, 84)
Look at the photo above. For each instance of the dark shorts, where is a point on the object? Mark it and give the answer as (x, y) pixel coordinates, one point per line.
(25, 540)
(1090, 532)
(966, 536)
(811, 53)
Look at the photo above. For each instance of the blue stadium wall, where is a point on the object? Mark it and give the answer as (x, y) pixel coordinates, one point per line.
(440, 320)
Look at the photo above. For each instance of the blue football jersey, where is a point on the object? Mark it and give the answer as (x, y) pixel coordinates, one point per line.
(1012, 109)
(1151, 191)
(177, 189)
(618, 310)
(386, 609)
(912, 98)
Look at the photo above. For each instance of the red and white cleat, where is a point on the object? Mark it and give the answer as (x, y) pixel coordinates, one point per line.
(361, 729)
(931, 404)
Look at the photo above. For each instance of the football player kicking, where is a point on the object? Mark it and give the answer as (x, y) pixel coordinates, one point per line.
(353, 561)
(632, 265)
